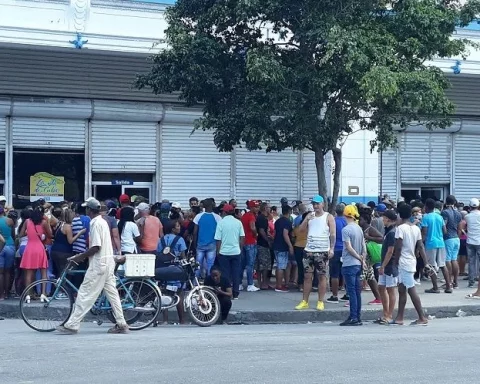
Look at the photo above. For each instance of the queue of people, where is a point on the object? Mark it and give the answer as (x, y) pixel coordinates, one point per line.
(388, 249)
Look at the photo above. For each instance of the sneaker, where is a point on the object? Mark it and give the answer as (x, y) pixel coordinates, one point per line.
(333, 300)
(320, 306)
(303, 305)
(240, 287)
(418, 282)
(345, 298)
(117, 329)
(351, 323)
(252, 288)
(375, 302)
(66, 331)
(282, 289)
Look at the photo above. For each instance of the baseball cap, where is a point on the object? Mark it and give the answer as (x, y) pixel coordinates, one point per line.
(284, 201)
(253, 204)
(381, 208)
(124, 199)
(176, 205)
(350, 211)
(143, 207)
(474, 203)
(317, 199)
(3, 198)
(92, 203)
(110, 204)
(228, 208)
(390, 215)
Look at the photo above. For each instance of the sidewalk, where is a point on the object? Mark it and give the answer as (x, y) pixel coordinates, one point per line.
(273, 307)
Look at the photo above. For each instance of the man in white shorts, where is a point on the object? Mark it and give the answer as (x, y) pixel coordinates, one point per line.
(408, 240)
(388, 271)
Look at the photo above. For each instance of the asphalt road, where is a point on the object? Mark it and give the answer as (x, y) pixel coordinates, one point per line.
(444, 352)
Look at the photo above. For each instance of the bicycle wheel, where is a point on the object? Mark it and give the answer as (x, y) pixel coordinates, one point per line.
(46, 316)
(141, 303)
(203, 306)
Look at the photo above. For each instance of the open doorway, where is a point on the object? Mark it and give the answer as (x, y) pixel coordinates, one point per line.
(424, 192)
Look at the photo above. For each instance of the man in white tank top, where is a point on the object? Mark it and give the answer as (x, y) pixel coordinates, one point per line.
(319, 249)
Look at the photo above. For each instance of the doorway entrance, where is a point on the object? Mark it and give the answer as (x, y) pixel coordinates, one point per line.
(104, 190)
(410, 193)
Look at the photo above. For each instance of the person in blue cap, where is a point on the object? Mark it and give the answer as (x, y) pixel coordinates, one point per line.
(377, 221)
(321, 237)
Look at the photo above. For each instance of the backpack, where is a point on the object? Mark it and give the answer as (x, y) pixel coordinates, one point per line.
(167, 255)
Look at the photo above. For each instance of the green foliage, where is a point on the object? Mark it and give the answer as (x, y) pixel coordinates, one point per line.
(322, 66)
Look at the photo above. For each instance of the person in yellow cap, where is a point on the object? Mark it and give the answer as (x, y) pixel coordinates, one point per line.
(354, 254)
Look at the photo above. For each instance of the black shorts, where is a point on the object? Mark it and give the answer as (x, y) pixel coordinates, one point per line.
(335, 265)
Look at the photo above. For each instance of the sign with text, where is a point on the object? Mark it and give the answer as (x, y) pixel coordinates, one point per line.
(43, 185)
(122, 182)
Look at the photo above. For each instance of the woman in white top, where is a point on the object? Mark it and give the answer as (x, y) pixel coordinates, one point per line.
(129, 233)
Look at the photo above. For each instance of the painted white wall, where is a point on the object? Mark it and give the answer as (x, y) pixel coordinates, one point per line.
(360, 166)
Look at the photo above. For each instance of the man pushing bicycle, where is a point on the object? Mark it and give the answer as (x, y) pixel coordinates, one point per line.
(100, 274)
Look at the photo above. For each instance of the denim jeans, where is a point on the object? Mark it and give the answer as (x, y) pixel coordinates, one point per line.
(208, 253)
(351, 275)
(230, 267)
(249, 257)
(473, 253)
(299, 258)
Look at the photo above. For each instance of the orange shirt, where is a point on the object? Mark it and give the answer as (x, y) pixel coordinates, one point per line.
(151, 233)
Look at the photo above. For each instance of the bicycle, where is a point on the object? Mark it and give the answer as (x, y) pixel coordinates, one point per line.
(140, 299)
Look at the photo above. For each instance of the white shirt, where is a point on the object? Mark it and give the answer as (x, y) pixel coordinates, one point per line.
(129, 233)
(473, 227)
(100, 237)
(410, 234)
(318, 237)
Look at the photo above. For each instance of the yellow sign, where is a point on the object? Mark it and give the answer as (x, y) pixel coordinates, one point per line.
(46, 186)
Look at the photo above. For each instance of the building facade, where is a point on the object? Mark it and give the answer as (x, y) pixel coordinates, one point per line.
(74, 113)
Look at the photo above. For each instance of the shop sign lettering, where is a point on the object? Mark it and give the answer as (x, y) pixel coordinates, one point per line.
(45, 186)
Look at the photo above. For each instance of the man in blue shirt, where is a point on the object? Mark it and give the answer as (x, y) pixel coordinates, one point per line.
(204, 235)
(433, 230)
(335, 264)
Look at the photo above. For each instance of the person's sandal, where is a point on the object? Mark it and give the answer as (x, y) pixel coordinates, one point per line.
(431, 290)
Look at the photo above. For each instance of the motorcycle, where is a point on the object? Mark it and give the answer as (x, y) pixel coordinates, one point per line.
(200, 302)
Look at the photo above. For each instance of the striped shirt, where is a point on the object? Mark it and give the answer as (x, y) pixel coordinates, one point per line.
(79, 223)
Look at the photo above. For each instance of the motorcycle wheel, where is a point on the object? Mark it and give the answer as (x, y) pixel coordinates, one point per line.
(203, 312)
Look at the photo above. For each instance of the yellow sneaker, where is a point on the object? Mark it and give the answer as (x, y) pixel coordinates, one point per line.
(320, 306)
(303, 305)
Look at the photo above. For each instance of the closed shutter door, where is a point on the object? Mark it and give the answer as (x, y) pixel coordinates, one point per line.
(309, 178)
(467, 171)
(266, 176)
(48, 133)
(192, 166)
(124, 147)
(388, 173)
(426, 158)
(3, 131)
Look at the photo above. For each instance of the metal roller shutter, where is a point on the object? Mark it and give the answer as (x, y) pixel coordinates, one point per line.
(3, 131)
(266, 176)
(192, 166)
(388, 183)
(124, 146)
(48, 133)
(467, 177)
(426, 158)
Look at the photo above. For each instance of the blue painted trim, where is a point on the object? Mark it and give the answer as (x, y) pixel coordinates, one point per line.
(357, 199)
(473, 26)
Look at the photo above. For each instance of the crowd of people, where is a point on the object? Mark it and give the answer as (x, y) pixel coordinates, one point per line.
(384, 248)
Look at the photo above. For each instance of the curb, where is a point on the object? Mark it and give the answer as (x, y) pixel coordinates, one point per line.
(10, 310)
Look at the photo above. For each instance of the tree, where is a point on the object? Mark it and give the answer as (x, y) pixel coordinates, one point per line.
(305, 74)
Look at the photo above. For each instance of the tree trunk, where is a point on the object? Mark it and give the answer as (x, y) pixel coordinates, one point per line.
(337, 159)
(321, 179)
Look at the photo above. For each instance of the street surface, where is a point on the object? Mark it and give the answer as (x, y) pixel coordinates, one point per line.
(444, 352)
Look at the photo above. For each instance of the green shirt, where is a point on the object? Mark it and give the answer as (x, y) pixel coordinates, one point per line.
(229, 230)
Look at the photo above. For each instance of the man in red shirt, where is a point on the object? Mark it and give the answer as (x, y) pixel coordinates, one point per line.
(249, 254)
(124, 201)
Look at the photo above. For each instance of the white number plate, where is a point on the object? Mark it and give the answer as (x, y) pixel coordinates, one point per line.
(172, 288)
